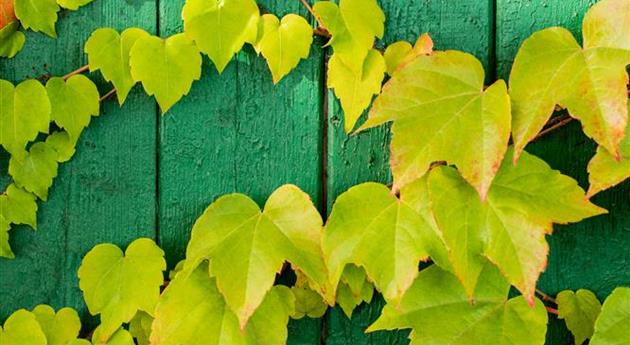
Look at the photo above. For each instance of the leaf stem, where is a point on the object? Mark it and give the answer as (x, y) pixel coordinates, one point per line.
(552, 310)
(107, 95)
(545, 297)
(321, 29)
(76, 71)
(561, 122)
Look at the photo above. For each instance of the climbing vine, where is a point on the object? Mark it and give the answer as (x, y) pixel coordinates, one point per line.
(466, 196)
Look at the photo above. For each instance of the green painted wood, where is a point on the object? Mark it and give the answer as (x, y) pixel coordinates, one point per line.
(465, 25)
(237, 132)
(592, 254)
(107, 192)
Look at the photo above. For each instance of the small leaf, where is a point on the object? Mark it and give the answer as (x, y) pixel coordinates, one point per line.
(440, 96)
(18, 206)
(11, 40)
(108, 52)
(62, 144)
(233, 228)
(120, 337)
(439, 312)
(36, 171)
(73, 5)
(613, 324)
(5, 247)
(399, 54)
(21, 328)
(24, 112)
(356, 89)
(220, 28)
(284, 43)
(118, 286)
(60, 328)
(192, 311)
(308, 303)
(73, 102)
(140, 327)
(353, 289)
(166, 68)
(579, 310)
(40, 15)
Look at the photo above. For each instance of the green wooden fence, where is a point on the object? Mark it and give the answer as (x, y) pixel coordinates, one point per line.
(138, 174)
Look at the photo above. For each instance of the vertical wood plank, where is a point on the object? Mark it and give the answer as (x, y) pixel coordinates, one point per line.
(237, 132)
(106, 193)
(592, 254)
(465, 25)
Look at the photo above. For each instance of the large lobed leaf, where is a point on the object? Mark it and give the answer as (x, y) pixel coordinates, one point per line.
(38, 15)
(613, 325)
(74, 102)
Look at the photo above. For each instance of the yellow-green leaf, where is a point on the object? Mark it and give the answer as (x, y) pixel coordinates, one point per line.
(38, 15)
(613, 324)
(74, 102)
(73, 5)
(353, 289)
(308, 303)
(63, 144)
(11, 40)
(399, 54)
(120, 337)
(140, 327)
(579, 310)
(166, 67)
(35, 172)
(21, 328)
(18, 206)
(5, 247)
(61, 327)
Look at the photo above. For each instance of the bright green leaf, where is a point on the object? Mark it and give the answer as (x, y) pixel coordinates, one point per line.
(356, 89)
(120, 337)
(108, 52)
(509, 228)
(579, 310)
(18, 206)
(284, 43)
(166, 67)
(441, 96)
(11, 40)
(24, 112)
(38, 15)
(21, 328)
(118, 286)
(60, 328)
(192, 311)
(247, 247)
(36, 171)
(140, 327)
(80, 342)
(220, 28)
(5, 247)
(369, 222)
(613, 325)
(73, 5)
(439, 312)
(63, 144)
(308, 303)
(73, 102)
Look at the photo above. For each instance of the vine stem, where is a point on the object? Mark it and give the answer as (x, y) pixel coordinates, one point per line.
(107, 95)
(552, 310)
(545, 297)
(555, 125)
(76, 71)
(321, 29)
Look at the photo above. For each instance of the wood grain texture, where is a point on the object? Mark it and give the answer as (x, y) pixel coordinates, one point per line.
(464, 25)
(592, 254)
(106, 193)
(237, 132)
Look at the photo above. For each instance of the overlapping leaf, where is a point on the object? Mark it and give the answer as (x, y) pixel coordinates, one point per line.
(40, 15)
(353, 289)
(117, 286)
(74, 102)
(613, 325)
(192, 311)
(24, 112)
(5, 247)
(552, 69)
(220, 28)
(283, 43)
(579, 310)
(73, 4)
(140, 327)
(11, 40)
(35, 172)
(247, 247)
(108, 52)
(509, 228)
(399, 54)
(441, 112)
(61, 327)
(120, 337)
(166, 68)
(369, 222)
(18, 206)
(22, 328)
(63, 144)
(438, 311)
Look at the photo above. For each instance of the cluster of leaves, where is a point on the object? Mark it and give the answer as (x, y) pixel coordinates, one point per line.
(37, 15)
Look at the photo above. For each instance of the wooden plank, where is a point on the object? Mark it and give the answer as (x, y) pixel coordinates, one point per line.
(465, 25)
(592, 254)
(107, 192)
(237, 132)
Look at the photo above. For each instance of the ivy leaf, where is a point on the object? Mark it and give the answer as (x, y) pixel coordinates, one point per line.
(356, 89)
(73, 102)
(79, 342)
(61, 142)
(60, 328)
(438, 310)
(118, 286)
(353, 26)
(166, 68)
(36, 171)
(221, 28)
(233, 228)
(399, 54)
(307, 303)
(22, 328)
(40, 15)
(509, 228)
(140, 327)
(442, 96)
(120, 337)
(368, 221)
(192, 311)
(18, 206)
(579, 310)
(551, 68)
(613, 323)
(11, 40)
(5, 247)
(24, 112)
(108, 52)
(73, 5)
(353, 289)
(283, 43)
